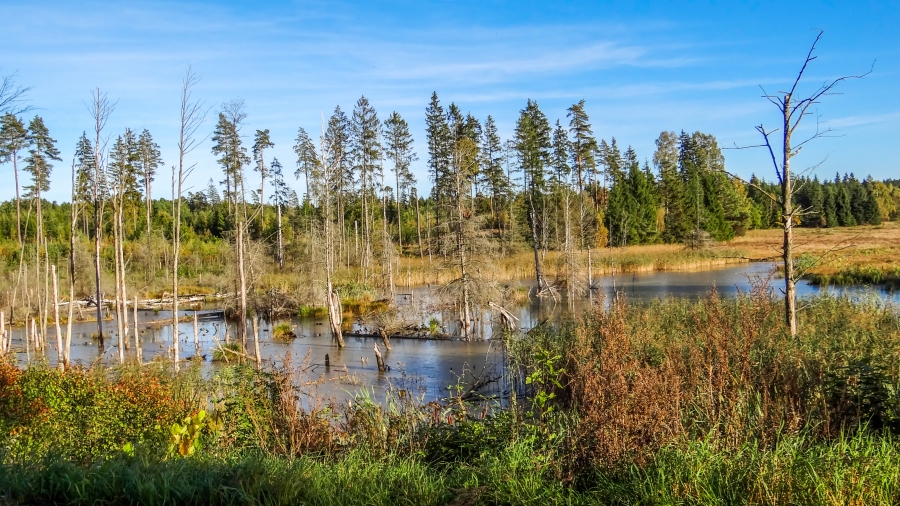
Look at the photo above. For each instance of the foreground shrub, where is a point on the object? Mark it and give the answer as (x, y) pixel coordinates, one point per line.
(82, 415)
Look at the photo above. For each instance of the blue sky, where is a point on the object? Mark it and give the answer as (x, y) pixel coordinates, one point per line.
(642, 67)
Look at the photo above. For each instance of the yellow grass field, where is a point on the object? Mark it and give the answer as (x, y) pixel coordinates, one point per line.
(832, 250)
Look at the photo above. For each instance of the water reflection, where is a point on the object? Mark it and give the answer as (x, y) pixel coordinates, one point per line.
(424, 366)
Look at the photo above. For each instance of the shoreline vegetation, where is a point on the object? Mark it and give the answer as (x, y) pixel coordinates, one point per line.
(861, 255)
(679, 402)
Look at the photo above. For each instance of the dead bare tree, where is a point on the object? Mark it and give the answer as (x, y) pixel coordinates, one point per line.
(792, 112)
(328, 175)
(100, 108)
(73, 222)
(192, 116)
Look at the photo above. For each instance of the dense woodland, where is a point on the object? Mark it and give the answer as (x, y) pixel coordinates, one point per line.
(352, 203)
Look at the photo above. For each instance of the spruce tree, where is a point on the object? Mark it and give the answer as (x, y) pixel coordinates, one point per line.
(365, 150)
(84, 174)
(583, 144)
(398, 147)
(439, 143)
(492, 176)
(340, 174)
(533, 147)
(671, 187)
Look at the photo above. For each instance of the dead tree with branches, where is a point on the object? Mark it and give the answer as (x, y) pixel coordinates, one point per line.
(793, 110)
(192, 116)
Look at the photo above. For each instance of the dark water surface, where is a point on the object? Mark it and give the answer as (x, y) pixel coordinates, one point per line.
(423, 367)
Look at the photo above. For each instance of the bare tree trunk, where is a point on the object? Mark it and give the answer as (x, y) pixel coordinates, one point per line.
(461, 247)
(15, 161)
(60, 352)
(256, 341)
(570, 252)
(279, 239)
(379, 360)
(72, 227)
(4, 347)
(386, 244)
(242, 280)
(137, 337)
(787, 192)
(196, 336)
(117, 248)
(100, 109)
(793, 111)
(539, 274)
(419, 228)
(384, 338)
(192, 117)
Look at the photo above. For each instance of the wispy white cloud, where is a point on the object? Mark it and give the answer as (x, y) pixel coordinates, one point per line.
(868, 119)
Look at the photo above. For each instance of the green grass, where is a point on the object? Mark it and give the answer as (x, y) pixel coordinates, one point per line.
(888, 277)
(673, 402)
(859, 469)
(223, 355)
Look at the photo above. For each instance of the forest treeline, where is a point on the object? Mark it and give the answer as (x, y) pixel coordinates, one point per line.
(529, 189)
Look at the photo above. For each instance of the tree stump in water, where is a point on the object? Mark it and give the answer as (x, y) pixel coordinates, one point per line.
(378, 359)
(384, 338)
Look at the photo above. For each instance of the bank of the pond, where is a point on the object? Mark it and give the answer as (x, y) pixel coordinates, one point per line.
(676, 401)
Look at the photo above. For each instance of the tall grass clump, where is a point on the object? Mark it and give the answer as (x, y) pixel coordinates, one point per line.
(724, 371)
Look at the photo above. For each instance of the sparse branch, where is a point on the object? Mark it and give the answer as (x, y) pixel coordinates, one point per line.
(800, 272)
(12, 96)
(809, 58)
(762, 130)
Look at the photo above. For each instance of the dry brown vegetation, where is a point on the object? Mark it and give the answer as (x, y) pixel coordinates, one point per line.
(831, 249)
(839, 248)
(725, 371)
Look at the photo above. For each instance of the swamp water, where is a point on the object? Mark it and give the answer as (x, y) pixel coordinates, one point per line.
(428, 368)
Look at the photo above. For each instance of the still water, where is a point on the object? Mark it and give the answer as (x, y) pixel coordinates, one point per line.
(430, 368)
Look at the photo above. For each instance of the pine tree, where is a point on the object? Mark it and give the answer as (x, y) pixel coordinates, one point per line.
(280, 197)
(365, 150)
(13, 139)
(307, 159)
(149, 161)
(261, 142)
(41, 152)
(232, 154)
